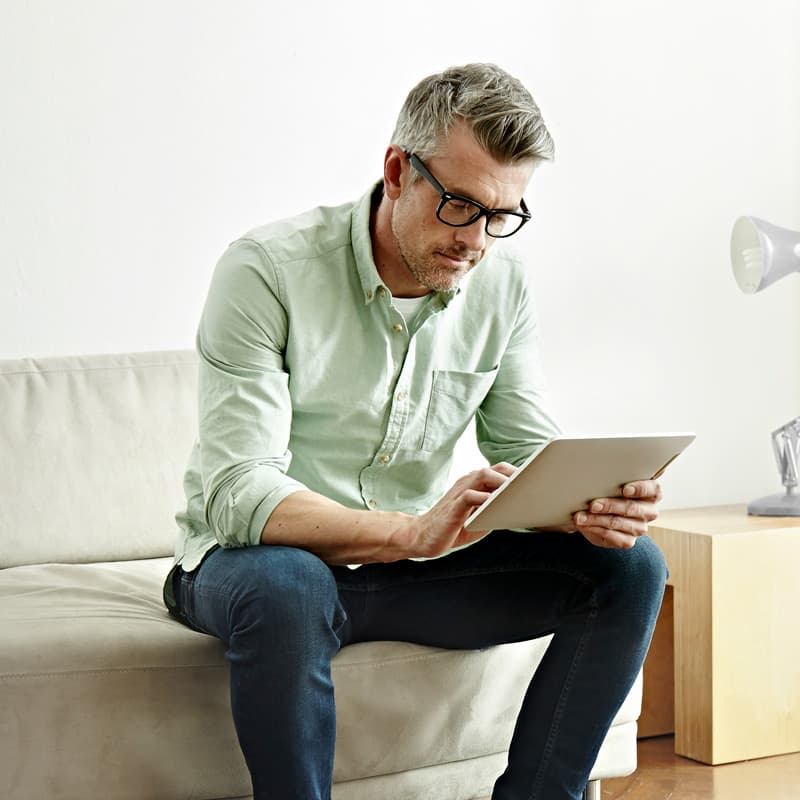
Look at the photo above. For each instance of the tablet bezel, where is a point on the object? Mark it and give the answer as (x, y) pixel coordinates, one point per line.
(600, 465)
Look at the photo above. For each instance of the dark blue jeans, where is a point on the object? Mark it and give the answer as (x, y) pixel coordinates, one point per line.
(284, 614)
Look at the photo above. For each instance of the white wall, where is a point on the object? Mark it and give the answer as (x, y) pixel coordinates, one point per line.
(138, 138)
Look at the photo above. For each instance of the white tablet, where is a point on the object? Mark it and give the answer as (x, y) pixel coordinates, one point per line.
(569, 472)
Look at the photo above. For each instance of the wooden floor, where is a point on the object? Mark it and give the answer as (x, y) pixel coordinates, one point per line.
(664, 776)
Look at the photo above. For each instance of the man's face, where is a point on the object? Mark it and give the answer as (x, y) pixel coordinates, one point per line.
(438, 255)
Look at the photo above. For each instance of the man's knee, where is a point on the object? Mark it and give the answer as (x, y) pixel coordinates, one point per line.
(639, 575)
(286, 588)
(649, 563)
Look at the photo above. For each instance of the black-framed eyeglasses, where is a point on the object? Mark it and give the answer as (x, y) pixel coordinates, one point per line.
(459, 211)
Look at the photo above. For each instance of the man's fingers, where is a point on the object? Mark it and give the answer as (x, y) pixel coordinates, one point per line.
(643, 489)
(474, 497)
(490, 478)
(611, 522)
(485, 479)
(602, 537)
(505, 468)
(635, 509)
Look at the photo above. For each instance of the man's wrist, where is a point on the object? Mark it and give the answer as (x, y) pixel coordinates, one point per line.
(399, 543)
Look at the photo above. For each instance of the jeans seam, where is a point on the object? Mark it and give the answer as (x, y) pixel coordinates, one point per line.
(187, 610)
(562, 700)
(375, 587)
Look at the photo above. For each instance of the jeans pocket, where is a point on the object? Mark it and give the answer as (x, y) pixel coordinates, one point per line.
(455, 397)
(186, 605)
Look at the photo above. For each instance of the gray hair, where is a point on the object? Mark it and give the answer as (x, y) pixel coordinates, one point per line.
(503, 116)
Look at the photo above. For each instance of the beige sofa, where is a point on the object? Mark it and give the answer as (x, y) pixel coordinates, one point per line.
(103, 695)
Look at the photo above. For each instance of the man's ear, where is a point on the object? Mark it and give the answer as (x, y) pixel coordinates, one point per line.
(395, 164)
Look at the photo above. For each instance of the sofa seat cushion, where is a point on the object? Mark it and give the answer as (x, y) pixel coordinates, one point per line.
(92, 666)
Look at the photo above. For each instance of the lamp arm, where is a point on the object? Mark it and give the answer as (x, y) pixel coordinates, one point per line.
(786, 444)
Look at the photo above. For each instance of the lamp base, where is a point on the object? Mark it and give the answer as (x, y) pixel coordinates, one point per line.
(776, 505)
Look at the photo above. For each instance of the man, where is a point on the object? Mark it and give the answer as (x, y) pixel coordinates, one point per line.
(342, 355)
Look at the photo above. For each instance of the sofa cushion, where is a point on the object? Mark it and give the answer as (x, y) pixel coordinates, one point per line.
(92, 454)
(92, 666)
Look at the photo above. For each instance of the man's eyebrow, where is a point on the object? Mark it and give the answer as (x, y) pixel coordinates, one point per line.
(468, 196)
(456, 188)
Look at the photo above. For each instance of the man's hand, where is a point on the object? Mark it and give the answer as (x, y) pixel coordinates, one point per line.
(619, 521)
(442, 528)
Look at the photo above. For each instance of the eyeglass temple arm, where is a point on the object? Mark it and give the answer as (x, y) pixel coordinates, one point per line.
(423, 170)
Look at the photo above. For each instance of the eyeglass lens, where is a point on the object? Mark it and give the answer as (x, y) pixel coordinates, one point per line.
(454, 211)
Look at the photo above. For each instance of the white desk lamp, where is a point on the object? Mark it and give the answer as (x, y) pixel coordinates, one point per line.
(761, 254)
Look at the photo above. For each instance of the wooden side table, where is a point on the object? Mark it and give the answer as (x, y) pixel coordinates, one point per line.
(736, 602)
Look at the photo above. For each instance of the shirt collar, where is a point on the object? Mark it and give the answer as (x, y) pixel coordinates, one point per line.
(371, 284)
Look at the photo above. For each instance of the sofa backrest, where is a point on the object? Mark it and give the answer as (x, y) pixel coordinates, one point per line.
(92, 454)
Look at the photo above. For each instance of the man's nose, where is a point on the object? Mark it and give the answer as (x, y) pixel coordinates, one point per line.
(473, 236)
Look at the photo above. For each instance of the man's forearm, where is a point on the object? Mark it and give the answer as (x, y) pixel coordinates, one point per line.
(338, 535)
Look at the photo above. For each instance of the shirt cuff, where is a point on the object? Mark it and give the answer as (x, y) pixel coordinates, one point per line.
(263, 511)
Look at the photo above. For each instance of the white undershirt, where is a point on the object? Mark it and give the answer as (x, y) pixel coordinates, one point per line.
(409, 306)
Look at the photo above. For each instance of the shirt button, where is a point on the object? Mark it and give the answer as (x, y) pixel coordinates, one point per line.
(381, 291)
(398, 327)
(384, 459)
(373, 504)
(369, 295)
(401, 395)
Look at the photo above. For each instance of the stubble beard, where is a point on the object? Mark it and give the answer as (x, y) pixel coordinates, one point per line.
(429, 273)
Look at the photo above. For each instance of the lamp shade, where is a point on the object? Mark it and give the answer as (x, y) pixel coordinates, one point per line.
(762, 253)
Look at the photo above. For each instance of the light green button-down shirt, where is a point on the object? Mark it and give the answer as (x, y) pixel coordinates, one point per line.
(311, 378)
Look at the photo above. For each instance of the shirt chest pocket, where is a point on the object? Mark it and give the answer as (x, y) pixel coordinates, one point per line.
(455, 397)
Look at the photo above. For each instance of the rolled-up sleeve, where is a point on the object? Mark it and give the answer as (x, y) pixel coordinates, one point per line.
(245, 411)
